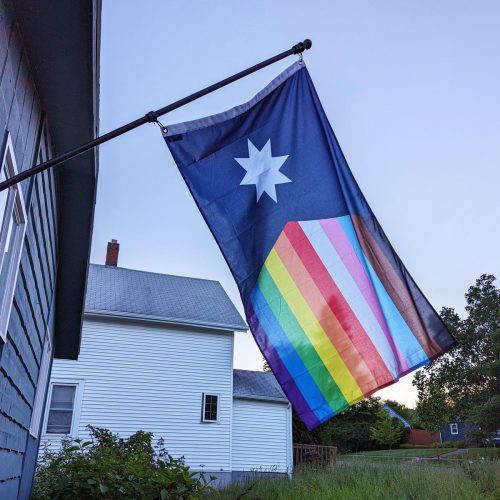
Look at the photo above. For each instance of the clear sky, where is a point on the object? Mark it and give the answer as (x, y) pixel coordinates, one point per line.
(412, 90)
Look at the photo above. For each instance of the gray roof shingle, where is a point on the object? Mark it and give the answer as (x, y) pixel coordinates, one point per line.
(257, 385)
(117, 291)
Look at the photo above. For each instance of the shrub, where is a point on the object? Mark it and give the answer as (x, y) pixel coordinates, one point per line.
(405, 435)
(450, 444)
(108, 467)
(386, 431)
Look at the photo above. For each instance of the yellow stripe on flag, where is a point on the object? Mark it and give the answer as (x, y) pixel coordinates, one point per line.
(312, 328)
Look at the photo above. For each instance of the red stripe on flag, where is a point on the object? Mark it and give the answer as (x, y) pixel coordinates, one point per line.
(338, 305)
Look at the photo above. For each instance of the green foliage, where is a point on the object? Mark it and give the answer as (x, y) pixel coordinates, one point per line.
(450, 444)
(465, 381)
(109, 468)
(386, 430)
(432, 409)
(265, 366)
(349, 431)
(486, 415)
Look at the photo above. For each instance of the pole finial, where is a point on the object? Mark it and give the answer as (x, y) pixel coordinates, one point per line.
(301, 46)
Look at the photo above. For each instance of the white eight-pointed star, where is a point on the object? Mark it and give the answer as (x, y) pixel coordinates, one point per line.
(263, 170)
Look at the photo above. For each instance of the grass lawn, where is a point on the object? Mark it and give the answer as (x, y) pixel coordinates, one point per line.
(399, 453)
(397, 456)
(390, 482)
(409, 455)
(478, 453)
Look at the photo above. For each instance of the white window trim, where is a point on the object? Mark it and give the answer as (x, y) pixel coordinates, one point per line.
(454, 429)
(15, 200)
(204, 397)
(75, 419)
(43, 376)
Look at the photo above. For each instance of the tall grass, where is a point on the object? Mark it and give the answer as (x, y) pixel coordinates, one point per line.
(398, 482)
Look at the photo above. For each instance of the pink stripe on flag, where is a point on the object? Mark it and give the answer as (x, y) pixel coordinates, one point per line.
(346, 252)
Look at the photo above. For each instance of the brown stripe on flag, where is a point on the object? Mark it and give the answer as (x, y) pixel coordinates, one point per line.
(395, 287)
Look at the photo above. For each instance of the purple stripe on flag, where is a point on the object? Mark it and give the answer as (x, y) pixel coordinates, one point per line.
(279, 369)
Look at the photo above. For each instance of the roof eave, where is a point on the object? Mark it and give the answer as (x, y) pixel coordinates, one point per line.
(162, 321)
(62, 41)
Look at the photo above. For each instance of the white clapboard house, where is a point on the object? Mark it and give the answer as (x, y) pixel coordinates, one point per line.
(157, 355)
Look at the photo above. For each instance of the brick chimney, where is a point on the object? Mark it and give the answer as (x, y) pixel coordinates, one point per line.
(112, 253)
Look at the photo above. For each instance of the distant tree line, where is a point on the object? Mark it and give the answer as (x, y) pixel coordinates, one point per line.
(362, 427)
(464, 383)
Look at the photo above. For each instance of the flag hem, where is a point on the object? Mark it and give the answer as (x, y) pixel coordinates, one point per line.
(189, 126)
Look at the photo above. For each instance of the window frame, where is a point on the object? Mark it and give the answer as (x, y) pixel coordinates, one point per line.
(454, 429)
(14, 205)
(204, 400)
(43, 379)
(77, 406)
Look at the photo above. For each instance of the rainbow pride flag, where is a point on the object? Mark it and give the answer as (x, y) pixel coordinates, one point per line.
(331, 306)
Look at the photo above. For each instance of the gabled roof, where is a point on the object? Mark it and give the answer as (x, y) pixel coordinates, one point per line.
(394, 414)
(257, 385)
(127, 293)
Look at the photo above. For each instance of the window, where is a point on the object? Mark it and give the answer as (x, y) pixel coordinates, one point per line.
(210, 410)
(63, 407)
(12, 229)
(454, 428)
(43, 376)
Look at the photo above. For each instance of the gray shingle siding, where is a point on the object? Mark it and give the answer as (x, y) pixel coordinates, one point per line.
(25, 104)
(257, 385)
(30, 319)
(116, 291)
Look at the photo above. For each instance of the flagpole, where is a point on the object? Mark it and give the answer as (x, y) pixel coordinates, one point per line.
(151, 117)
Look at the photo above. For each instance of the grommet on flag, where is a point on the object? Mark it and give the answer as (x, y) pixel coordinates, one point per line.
(301, 59)
(162, 127)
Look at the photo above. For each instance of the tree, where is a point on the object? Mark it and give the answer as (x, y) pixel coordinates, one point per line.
(386, 431)
(265, 366)
(432, 410)
(349, 431)
(464, 382)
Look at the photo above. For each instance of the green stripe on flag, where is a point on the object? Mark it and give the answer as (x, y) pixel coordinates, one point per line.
(301, 342)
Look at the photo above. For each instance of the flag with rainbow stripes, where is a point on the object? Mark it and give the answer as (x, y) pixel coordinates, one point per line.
(330, 304)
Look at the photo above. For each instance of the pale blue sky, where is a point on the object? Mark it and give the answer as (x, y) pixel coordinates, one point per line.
(412, 90)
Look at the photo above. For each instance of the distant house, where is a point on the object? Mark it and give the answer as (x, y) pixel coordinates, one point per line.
(48, 104)
(457, 431)
(157, 355)
(394, 414)
(454, 431)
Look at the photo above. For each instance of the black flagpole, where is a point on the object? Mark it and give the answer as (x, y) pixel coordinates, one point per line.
(150, 117)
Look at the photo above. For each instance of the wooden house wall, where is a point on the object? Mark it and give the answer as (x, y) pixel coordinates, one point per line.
(262, 436)
(463, 431)
(140, 376)
(20, 356)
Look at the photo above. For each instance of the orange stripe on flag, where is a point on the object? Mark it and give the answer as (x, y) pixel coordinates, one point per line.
(320, 308)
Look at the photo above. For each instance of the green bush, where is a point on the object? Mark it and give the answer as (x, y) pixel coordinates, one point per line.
(450, 444)
(108, 467)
